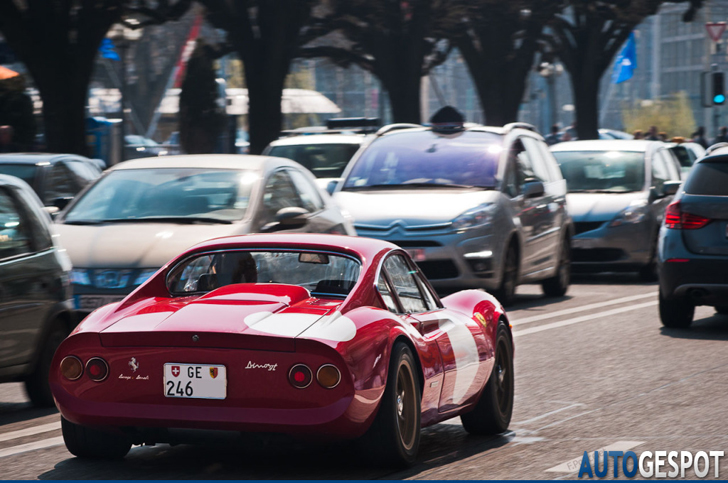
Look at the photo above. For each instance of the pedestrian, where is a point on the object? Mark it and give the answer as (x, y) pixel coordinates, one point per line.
(638, 134)
(652, 134)
(722, 137)
(553, 137)
(6, 139)
(699, 137)
(663, 136)
(566, 136)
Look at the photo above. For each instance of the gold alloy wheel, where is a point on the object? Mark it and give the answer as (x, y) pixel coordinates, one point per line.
(406, 405)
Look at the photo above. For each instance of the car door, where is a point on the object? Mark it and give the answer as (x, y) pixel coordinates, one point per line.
(25, 280)
(547, 228)
(461, 341)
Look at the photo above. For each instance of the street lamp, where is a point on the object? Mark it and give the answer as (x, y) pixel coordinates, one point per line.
(550, 71)
(122, 36)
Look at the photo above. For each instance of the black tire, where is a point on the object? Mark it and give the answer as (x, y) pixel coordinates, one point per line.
(492, 413)
(676, 313)
(36, 384)
(558, 285)
(506, 293)
(394, 437)
(722, 310)
(91, 443)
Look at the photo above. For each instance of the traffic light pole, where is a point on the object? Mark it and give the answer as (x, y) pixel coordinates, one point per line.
(716, 113)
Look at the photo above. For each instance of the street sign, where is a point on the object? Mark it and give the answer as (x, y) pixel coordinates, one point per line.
(715, 30)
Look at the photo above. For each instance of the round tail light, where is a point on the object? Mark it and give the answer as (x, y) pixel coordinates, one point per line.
(328, 376)
(97, 369)
(71, 368)
(300, 376)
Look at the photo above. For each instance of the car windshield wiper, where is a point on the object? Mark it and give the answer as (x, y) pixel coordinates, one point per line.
(186, 220)
(412, 185)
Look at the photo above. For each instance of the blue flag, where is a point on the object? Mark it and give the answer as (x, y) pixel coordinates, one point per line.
(626, 62)
(107, 50)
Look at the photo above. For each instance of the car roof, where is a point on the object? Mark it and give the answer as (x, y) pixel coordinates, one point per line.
(607, 145)
(309, 139)
(35, 158)
(468, 127)
(363, 248)
(211, 161)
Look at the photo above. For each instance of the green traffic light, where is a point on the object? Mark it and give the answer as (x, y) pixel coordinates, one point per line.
(719, 99)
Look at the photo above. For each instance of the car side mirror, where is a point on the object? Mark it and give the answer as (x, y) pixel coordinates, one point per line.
(52, 210)
(61, 202)
(670, 188)
(332, 186)
(290, 218)
(533, 189)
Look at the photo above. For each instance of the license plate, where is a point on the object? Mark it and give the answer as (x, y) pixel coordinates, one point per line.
(417, 254)
(93, 302)
(195, 381)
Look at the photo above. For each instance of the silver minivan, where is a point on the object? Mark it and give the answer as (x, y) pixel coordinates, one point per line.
(475, 206)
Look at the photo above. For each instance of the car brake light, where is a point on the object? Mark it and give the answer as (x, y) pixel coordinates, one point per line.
(677, 219)
(97, 369)
(300, 376)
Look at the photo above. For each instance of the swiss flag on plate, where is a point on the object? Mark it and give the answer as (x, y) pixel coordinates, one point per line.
(175, 371)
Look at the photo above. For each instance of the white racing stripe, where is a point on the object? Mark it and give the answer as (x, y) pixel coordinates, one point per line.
(574, 465)
(582, 308)
(22, 433)
(35, 445)
(583, 318)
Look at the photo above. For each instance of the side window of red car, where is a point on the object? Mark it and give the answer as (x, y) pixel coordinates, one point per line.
(386, 294)
(405, 284)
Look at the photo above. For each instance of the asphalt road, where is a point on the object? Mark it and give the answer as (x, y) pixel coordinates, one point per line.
(594, 369)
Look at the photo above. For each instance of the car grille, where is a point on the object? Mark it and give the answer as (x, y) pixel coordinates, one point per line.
(597, 255)
(416, 243)
(439, 269)
(584, 226)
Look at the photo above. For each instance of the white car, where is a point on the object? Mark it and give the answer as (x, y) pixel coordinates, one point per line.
(142, 213)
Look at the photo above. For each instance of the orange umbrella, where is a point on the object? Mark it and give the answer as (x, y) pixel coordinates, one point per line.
(6, 73)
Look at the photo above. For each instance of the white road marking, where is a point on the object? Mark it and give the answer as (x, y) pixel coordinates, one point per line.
(583, 318)
(574, 465)
(22, 433)
(35, 445)
(548, 414)
(581, 308)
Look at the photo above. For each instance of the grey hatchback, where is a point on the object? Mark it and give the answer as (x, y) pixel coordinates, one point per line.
(475, 206)
(35, 294)
(693, 245)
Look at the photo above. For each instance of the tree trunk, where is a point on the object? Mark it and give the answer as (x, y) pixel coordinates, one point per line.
(405, 100)
(264, 110)
(585, 88)
(64, 113)
(500, 97)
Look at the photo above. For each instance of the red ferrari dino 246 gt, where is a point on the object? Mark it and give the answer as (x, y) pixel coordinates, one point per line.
(297, 334)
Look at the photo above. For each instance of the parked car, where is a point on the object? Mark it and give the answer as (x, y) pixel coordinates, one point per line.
(686, 154)
(614, 134)
(618, 192)
(325, 151)
(35, 296)
(56, 178)
(693, 247)
(141, 213)
(476, 207)
(136, 146)
(344, 339)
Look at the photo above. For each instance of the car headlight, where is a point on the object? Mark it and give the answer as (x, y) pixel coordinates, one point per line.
(144, 276)
(636, 212)
(79, 276)
(478, 216)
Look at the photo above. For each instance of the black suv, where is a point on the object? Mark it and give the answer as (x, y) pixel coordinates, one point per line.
(693, 246)
(35, 294)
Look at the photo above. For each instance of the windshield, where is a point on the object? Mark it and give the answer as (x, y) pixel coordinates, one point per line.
(602, 171)
(171, 194)
(26, 172)
(320, 273)
(323, 160)
(427, 159)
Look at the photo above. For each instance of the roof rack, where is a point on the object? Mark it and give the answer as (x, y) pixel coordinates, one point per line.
(354, 125)
(349, 122)
(520, 125)
(395, 127)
